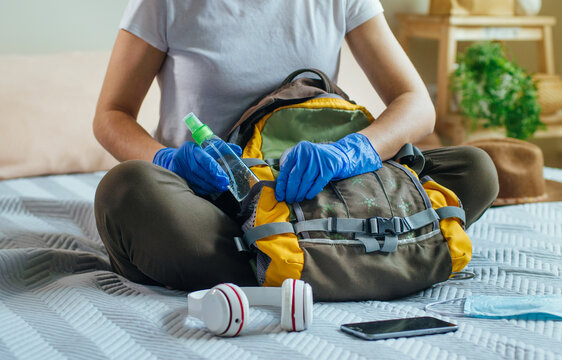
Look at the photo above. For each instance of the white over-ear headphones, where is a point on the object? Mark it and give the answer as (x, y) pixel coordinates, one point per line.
(224, 308)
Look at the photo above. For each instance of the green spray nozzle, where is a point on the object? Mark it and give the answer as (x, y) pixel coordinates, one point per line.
(199, 131)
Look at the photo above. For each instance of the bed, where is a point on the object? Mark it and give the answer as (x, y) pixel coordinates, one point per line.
(59, 298)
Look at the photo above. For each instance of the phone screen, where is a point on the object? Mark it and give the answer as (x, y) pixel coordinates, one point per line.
(384, 329)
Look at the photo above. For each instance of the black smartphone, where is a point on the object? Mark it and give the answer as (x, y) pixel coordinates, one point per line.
(385, 329)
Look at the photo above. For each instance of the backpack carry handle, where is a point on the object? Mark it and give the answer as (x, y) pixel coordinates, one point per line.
(326, 83)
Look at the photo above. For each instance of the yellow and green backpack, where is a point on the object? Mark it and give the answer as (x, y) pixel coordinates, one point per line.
(375, 236)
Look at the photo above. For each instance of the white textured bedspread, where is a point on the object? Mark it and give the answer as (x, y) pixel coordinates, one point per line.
(59, 298)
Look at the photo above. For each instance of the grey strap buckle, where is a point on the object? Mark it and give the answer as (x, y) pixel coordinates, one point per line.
(382, 226)
(390, 228)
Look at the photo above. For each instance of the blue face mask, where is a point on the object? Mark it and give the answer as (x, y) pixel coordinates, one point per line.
(546, 307)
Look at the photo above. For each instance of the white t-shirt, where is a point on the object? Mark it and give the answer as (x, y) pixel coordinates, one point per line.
(224, 54)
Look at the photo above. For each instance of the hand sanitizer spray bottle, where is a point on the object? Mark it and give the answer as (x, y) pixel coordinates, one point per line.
(241, 177)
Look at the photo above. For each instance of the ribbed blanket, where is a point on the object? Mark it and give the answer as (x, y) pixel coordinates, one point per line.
(59, 298)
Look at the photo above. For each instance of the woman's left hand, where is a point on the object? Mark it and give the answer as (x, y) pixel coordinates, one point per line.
(309, 167)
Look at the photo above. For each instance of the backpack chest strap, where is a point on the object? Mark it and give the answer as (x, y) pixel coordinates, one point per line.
(366, 230)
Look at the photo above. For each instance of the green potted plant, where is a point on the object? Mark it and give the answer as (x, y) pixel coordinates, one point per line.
(493, 91)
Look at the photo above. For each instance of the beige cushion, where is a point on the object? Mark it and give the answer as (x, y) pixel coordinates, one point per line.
(47, 104)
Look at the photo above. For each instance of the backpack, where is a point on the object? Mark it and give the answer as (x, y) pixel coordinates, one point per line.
(375, 236)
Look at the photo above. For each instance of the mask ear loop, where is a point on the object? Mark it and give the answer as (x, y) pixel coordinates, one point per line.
(428, 307)
(456, 276)
(462, 275)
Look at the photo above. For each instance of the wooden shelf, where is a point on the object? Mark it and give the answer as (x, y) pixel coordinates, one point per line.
(553, 119)
(455, 131)
(449, 30)
(465, 20)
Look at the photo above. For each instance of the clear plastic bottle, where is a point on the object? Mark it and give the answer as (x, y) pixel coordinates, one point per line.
(241, 177)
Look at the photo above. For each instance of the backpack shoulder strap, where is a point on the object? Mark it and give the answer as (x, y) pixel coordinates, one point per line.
(411, 156)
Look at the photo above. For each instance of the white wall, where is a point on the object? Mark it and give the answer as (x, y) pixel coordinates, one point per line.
(48, 26)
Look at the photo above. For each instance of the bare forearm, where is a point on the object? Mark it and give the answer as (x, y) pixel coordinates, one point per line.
(407, 119)
(410, 114)
(133, 65)
(123, 137)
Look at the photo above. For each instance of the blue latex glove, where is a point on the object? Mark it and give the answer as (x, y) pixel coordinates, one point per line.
(203, 173)
(309, 167)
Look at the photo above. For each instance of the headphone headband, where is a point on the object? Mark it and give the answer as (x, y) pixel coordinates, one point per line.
(258, 296)
(224, 308)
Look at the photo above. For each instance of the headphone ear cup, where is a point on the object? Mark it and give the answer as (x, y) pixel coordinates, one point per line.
(225, 310)
(296, 305)
(308, 305)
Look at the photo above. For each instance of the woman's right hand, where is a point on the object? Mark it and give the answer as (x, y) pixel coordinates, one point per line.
(203, 173)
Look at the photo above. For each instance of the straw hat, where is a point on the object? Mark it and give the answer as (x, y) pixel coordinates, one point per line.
(520, 171)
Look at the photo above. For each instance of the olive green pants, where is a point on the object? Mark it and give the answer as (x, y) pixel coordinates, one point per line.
(157, 231)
